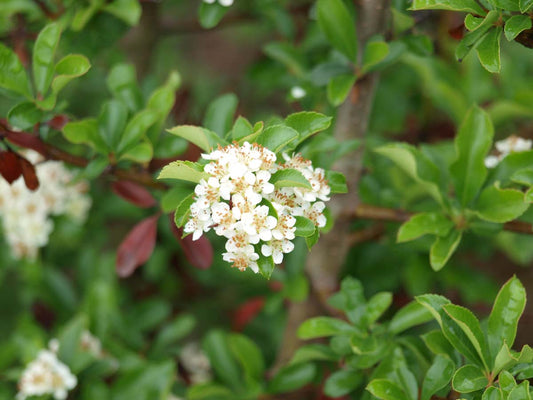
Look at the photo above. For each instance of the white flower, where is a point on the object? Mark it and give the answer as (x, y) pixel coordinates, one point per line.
(46, 375)
(298, 92)
(224, 3)
(276, 248)
(513, 144)
(91, 344)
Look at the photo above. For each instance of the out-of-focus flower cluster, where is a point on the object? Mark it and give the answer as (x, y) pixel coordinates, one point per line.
(26, 214)
(223, 3)
(513, 144)
(196, 363)
(232, 202)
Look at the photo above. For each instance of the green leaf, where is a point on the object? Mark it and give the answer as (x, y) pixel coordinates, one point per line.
(437, 377)
(472, 23)
(24, 115)
(68, 68)
(122, 82)
(472, 144)
(288, 55)
(291, 377)
(13, 76)
(339, 88)
(183, 210)
(488, 50)
(276, 137)
(515, 25)
(136, 129)
(161, 101)
(377, 305)
(241, 129)
(289, 178)
(507, 5)
(443, 248)
(128, 11)
(217, 348)
(375, 52)
(209, 391)
(172, 332)
(338, 25)
(307, 123)
(323, 327)
(386, 390)
(313, 352)
(310, 241)
(520, 392)
(173, 197)
(201, 137)
(469, 378)
(500, 205)
(43, 57)
(455, 5)
(469, 324)
(422, 224)
(304, 226)
(525, 5)
(506, 311)
(408, 316)
(84, 131)
(492, 393)
(266, 266)
(219, 115)
(336, 182)
(248, 354)
(438, 344)
(111, 123)
(141, 152)
(184, 170)
(210, 15)
(342, 382)
(69, 338)
(523, 176)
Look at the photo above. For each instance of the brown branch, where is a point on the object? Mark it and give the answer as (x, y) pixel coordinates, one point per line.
(51, 152)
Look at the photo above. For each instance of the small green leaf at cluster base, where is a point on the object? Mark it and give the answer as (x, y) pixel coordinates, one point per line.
(307, 123)
(515, 25)
(455, 5)
(339, 88)
(338, 25)
(304, 227)
(183, 210)
(183, 170)
(311, 240)
(266, 266)
(500, 205)
(423, 224)
(173, 197)
(386, 390)
(437, 377)
(336, 182)
(443, 248)
(469, 378)
(289, 178)
(276, 137)
(201, 137)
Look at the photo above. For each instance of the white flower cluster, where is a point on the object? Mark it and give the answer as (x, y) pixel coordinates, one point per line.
(46, 375)
(223, 3)
(513, 144)
(195, 363)
(231, 202)
(25, 213)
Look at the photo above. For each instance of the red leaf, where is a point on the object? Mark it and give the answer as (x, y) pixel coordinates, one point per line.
(26, 140)
(10, 166)
(198, 252)
(29, 174)
(58, 122)
(247, 312)
(458, 32)
(137, 247)
(134, 193)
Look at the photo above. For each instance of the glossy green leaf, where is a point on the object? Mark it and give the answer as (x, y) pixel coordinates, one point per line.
(515, 25)
(183, 211)
(248, 354)
(111, 123)
(183, 170)
(307, 123)
(174, 196)
(292, 377)
(375, 53)
(141, 152)
(437, 377)
(219, 115)
(161, 101)
(339, 88)
(13, 76)
(488, 50)
(24, 115)
(506, 311)
(525, 5)
(323, 327)
(507, 5)
(68, 68)
(136, 128)
(43, 57)
(408, 316)
(469, 378)
(500, 205)
(276, 137)
(423, 224)
(217, 348)
(523, 176)
(342, 382)
(313, 352)
(377, 305)
(210, 15)
(455, 5)
(241, 129)
(472, 144)
(492, 393)
(128, 11)
(122, 82)
(386, 390)
(443, 248)
(336, 182)
(338, 25)
(304, 227)
(266, 266)
(201, 137)
(289, 178)
(520, 392)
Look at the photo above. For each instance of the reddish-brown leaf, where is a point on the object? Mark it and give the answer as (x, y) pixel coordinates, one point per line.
(27, 140)
(58, 122)
(247, 312)
(458, 32)
(134, 193)
(29, 174)
(10, 166)
(137, 247)
(198, 252)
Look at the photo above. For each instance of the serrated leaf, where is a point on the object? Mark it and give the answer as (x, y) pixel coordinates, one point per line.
(183, 170)
(443, 248)
(289, 178)
(500, 205)
(307, 123)
(515, 25)
(136, 128)
(337, 24)
(437, 377)
(423, 224)
(276, 137)
(201, 137)
(85, 131)
(525, 5)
